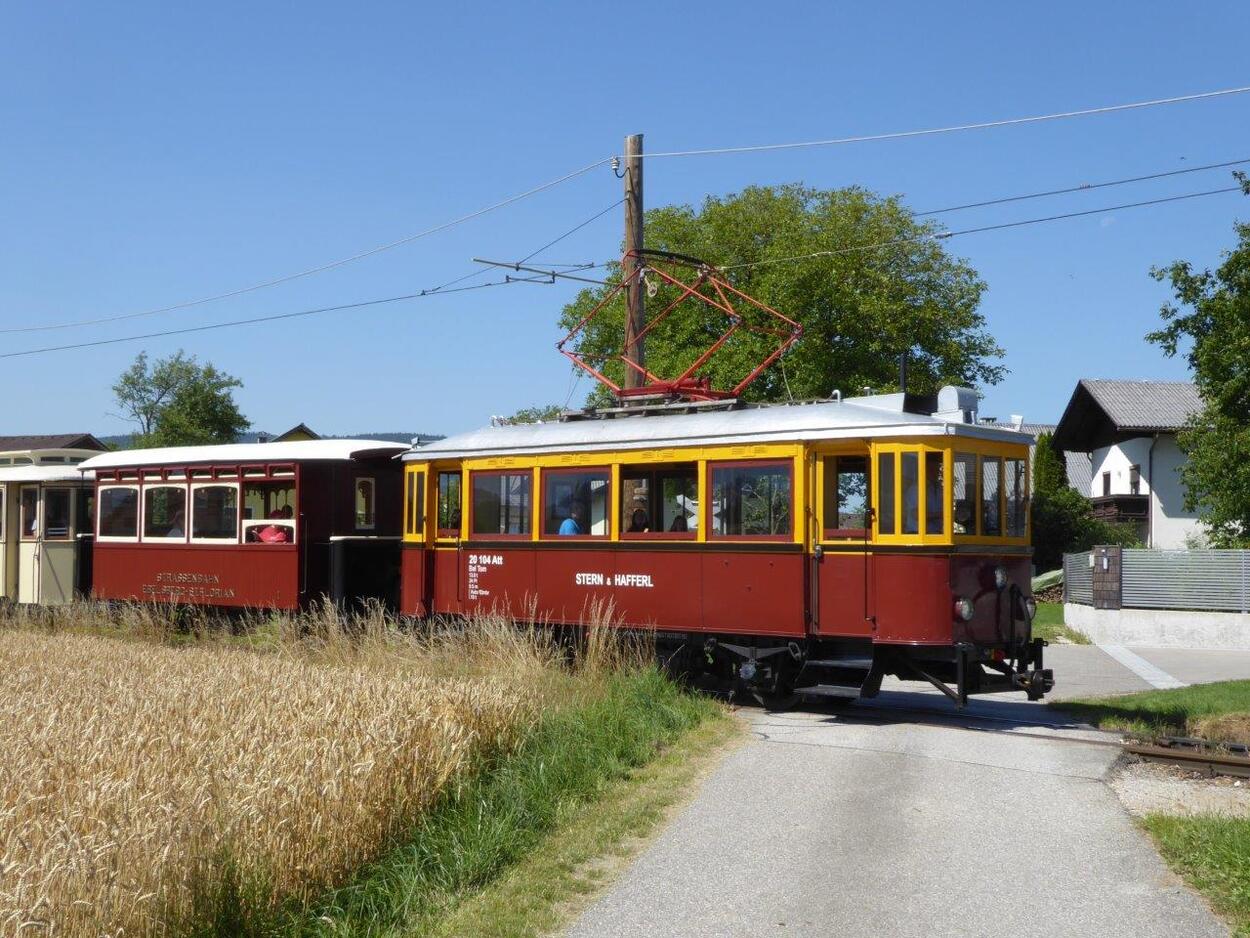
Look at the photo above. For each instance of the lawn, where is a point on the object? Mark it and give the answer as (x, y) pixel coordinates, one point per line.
(1218, 711)
(1213, 855)
(1049, 625)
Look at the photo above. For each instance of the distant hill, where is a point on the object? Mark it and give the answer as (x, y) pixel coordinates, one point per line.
(125, 440)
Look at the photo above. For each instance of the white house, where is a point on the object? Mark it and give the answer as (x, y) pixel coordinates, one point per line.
(1128, 429)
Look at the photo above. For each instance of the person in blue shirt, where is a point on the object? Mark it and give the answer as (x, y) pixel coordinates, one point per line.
(575, 522)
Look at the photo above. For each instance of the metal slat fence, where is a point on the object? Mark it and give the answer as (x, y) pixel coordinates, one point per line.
(1209, 580)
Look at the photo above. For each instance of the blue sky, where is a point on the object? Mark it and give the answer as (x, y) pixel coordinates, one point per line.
(154, 153)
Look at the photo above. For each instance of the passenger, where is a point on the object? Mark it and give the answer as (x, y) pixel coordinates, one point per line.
(276, 533)
(640, 522)
(679, 525)
(177, 525)
(575, 522)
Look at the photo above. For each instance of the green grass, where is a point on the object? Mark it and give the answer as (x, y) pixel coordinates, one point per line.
(1213, 855)
(501, 816)
(1049, 625)
(1219, 711)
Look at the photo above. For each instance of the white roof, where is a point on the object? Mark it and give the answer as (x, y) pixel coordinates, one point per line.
(65, 473)
(289, 451)
(865, 417)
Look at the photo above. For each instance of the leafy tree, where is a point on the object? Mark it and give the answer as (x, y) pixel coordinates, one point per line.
(1049, 472)
(539, 414)
(1064, 523)
(1209, 322)
(860, 308)
(176, 401)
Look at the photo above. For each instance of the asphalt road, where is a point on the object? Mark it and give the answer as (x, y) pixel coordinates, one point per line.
(879, 821)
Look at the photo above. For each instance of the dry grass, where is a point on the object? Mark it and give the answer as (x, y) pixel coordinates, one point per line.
(148, 789)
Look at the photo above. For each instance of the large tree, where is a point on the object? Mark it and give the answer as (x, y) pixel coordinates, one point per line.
(861, 304)
(1209, 323)
(176, 401)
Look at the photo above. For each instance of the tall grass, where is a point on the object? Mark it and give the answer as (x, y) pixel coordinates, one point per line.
(206, 775)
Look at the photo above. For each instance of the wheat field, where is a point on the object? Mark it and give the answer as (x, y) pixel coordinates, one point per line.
(145, 786)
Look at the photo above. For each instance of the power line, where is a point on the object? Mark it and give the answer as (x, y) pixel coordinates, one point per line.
(1084, 187)
(315, 270)
(573, 230)
(943, 235)
(982, 125)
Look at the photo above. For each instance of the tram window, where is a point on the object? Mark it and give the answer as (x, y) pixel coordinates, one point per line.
(29, 509)
(415, 493)
(119, 512)
(366, 504)
(751, 500)
(56, 503)
(991, 476)
(214, 513)
(501, 503)
(164, 513)
(934, 496)
(575, 503)
(449, 504)
(86, 511)
(964, 493)
(885, 493)
(269, 513)
(1017, 496)
(846, 495)
(660, 501)
(909, 464)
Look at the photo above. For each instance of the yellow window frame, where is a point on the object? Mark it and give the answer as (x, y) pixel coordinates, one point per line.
(986, 449)
(920, 449)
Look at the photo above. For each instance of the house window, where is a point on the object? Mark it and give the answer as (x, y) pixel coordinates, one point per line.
(846, 496)
(449, 504)
(501, 503)
(1106, 484)
(366, 504)
(119, 512)
(885, 493)
(575, 503)
(269, 513)
(660, 501)
(1134, 480)
(991, 479)
(964, 493)
(164, 513)
(215, 513)
(29, 510)
(56, 508)
(751, 500)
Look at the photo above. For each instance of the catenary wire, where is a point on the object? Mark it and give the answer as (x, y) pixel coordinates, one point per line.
(943, 235)
(571, 231)
(1084, 187)
(315, 270)
(932, 131)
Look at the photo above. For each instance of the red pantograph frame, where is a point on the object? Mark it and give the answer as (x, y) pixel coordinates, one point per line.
(688, 384)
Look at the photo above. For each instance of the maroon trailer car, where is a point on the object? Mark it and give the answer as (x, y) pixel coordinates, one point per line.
(249, 525)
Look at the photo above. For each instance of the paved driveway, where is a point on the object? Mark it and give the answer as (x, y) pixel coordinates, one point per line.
(884, 821)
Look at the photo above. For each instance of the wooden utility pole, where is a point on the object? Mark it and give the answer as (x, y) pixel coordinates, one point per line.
(635, 319)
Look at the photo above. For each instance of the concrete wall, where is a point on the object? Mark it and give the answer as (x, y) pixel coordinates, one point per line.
(1160, 628)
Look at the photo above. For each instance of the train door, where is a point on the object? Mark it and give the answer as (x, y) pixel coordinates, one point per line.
(57, 550)
(842, 577)
(28, 544)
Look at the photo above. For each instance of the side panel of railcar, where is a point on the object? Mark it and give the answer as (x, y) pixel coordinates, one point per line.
(232, 576)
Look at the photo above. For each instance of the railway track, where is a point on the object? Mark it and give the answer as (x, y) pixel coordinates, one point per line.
(1196, 755)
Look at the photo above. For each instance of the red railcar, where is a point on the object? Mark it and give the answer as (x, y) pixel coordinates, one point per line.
(255, 525)
(806, 548)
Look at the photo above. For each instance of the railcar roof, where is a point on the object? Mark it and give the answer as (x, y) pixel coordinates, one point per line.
(289, 451)
(867, 417)
(63, 473)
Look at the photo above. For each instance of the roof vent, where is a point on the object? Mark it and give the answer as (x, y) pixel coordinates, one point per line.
(957, 404)
(1017, 421)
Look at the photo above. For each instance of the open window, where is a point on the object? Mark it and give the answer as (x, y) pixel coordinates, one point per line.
(269, 512)
(575, 502)
(165, 513)
(752, 500)
(118, 513)
(215, 513)
(501, 503)
(660, 501)
(449, 503)
(847, 497)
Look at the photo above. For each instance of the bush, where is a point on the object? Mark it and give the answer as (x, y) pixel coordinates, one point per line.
(1064, 523)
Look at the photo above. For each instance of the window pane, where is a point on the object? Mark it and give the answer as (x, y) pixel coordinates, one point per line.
(366, 506)
(990, 476)
(164, 512)
(86, 511)
(846, 493)
(269, 513)
(636, 504)
(3, 513)
(1017, 497)
(56, 504)
(416, 503)
(910, 464)
(885, 493)
(575, 503)
(751, 500)
(30, 513)
(501, 503)
(215, 512)
(119, 512)
(964, 493)
(449, 502)
(677, 491)
(934, 496)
